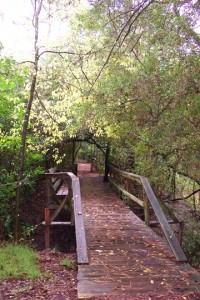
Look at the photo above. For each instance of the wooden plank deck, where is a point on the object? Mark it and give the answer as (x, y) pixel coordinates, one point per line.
(127, 260)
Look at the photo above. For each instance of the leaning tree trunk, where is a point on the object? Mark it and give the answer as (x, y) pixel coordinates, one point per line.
(37, 9)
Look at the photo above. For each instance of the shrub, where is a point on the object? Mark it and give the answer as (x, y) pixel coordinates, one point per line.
(191, 244)
(68, 263)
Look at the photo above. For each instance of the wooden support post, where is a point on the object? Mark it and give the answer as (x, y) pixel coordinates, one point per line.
(47, 214)
(106, 171)
(73, 151)
(72, 212)
(47, 227)
(71, 204)
(180, 234)
(146, 208)
(128, 185)
(48, 195)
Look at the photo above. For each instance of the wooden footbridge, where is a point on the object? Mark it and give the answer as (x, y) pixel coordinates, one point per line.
(119, 256)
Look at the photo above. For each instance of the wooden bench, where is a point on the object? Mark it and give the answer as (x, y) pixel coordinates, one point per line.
(57, 199)
(58, 184)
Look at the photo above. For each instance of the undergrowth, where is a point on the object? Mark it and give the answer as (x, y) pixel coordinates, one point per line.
(68, 263)
(18, 262)
(191, 245)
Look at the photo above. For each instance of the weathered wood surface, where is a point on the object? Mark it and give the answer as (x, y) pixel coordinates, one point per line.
(170, 236)
(81, 246)
(127, 260)
(156, 205)
(73, 193)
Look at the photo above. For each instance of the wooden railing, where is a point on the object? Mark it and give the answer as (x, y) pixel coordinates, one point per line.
(73, 200)
(122, 181)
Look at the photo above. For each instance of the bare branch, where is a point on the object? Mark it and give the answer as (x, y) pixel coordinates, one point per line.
(136, 56)
(85, 74)
(185, 174)
(57, 52)
(184, 198)
(44, 107)
(26, 61)
(75, 78)
(131, 24)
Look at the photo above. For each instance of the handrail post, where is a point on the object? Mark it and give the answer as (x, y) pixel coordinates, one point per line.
(47, 228)
(106, 171)
(146, 208)
(47, 215)
(71, 203)
(180, 234)
(127, 185)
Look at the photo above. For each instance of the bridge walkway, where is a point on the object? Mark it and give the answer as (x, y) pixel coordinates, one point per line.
(127, 260)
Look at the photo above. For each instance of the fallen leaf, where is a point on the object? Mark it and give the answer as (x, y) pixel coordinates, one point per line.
(152, 281)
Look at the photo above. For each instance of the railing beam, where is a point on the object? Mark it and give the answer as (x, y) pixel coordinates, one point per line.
(169, 234)
(150, 198)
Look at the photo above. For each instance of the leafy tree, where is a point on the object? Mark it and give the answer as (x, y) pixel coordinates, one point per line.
(12, 94)
(146, 92)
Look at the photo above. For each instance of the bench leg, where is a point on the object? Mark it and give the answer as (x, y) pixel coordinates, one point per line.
(71, 204)
(47, 228)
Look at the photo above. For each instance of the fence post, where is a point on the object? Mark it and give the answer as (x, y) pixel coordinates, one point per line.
(71, 202)
(47, 228)
(106, 172)
(128, 185)
(47, 214)
(180, 234)
(146, 208)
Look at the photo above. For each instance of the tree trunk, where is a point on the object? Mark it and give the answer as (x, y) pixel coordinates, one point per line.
(37, 9)
(73, 151)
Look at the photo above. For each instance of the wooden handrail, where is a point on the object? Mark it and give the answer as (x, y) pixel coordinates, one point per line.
(81, 246)
(74, 185)
(169, 234)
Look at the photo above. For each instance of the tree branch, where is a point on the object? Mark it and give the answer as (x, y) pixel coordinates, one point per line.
(85, 74)
(57, 52)
(185, 174)
(26, 61)
(118, 38)
(44, 107)
(184, 198)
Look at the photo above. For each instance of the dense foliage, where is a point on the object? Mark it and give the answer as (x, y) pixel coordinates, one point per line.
(13, 93)
(127, 73)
